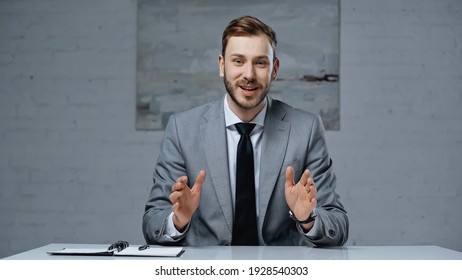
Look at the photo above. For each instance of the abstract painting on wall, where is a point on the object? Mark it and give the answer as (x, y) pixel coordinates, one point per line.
(178, 44)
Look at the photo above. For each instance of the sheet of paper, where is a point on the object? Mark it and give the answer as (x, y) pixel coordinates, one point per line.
(151, 252)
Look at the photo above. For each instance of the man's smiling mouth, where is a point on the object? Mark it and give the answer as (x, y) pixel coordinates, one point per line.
(249, 88)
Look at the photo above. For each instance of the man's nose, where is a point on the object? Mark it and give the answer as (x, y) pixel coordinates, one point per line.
(249, 72)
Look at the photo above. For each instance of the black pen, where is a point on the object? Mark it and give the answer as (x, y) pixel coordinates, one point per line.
(144, 247)
(118, 246)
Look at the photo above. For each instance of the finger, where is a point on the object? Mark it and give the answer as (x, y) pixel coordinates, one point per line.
(180, 183)
(178, 187)
(199, 181)
(290, 177)
(310, 181)
(311, 192)
(175, 207)
(182, 180)
(304, 178)
(314, 202)
(174, 196)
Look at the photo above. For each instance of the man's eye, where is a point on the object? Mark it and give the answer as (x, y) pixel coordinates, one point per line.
(262, 63)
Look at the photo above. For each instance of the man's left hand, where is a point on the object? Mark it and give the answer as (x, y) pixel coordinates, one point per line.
(301, 196)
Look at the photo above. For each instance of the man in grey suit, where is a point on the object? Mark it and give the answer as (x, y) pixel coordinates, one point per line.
(193, 198)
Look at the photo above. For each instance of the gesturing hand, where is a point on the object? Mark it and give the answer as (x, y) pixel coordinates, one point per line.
(185, 200)
(300, 197)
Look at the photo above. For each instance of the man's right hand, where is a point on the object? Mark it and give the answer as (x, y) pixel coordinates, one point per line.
(185, 200)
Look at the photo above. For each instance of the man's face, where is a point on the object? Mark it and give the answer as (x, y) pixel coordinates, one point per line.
(247, 70)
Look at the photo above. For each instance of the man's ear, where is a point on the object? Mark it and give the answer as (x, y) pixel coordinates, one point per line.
(274, 75)
(221, 65)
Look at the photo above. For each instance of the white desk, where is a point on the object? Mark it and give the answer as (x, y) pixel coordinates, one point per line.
(270, 253)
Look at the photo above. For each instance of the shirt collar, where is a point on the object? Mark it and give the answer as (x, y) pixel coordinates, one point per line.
(231, 118)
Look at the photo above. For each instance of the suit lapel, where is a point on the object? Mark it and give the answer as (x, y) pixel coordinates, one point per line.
(274, 147)
(215, 151)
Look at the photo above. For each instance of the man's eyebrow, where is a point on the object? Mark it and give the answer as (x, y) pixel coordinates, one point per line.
(262, 57)
(236, 55)
(243, 56)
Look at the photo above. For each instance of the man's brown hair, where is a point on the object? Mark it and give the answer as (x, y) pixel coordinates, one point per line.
(245, 26)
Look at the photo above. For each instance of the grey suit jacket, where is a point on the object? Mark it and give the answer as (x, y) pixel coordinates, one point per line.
(196, 139)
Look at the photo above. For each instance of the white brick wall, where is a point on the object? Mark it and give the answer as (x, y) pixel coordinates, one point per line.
(72, 164)
(399, 153)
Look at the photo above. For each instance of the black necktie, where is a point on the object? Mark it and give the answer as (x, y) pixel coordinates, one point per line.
(245, 213)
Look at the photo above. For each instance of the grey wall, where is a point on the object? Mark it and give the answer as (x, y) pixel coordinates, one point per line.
(74, 169)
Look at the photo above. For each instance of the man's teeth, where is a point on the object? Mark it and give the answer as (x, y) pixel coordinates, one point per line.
(248, 88)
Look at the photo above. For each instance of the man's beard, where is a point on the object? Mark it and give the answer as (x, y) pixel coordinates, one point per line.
(243, 105)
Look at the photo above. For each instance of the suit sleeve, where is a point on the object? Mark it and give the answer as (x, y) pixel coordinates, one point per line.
(332, 220)
(170, 166)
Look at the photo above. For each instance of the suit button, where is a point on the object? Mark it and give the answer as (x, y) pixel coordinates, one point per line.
(332, 232)
(156, 234)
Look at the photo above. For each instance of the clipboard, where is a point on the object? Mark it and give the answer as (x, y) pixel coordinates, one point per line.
(122, 248)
